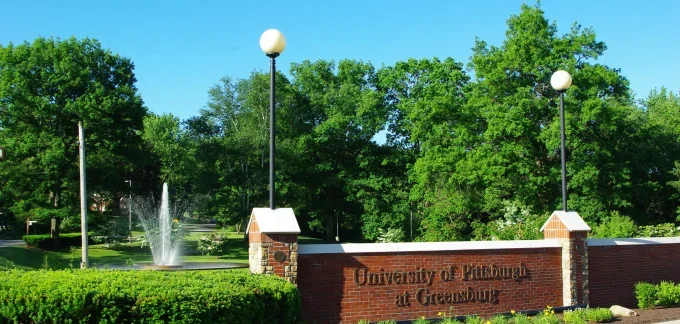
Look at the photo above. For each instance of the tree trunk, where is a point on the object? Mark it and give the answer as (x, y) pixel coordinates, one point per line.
(330, 228)
(54, 222)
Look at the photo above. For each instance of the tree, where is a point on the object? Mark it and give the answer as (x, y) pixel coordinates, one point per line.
(169, 142)
(339, 112)
(46, 87)
(427, 124)
(662, 108)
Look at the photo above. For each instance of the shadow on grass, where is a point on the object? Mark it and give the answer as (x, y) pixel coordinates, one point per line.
(31, 258)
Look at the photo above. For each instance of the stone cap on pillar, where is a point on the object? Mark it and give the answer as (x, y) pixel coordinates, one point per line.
(273, 221)
(562, 224)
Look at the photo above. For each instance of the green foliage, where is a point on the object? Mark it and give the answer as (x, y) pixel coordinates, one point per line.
(520, 318)
(449, 320)
(46, 88)
(516, 224)
(420, 320)
(474, 320)
(45, 242)
(658, 230)
(577, 316)
(646, 295)
(212, 244)
(599, 315)
(668, 294)
(388, 322)
(471, 152)
(547, 316)
(616, 226)
(392, 235)
(108, 229)
(170, 144)
(96, 296)
(498, 319)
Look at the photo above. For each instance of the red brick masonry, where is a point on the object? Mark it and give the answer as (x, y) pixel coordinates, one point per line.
(616, 265)
(348, 287)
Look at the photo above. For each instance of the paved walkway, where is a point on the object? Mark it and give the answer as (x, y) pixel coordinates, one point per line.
(200, 227)
(7, 243)
(670, 322)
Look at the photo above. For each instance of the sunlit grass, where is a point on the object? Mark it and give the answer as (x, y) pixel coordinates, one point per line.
(124, 254)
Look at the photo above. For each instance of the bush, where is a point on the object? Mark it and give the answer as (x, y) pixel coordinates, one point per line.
(106, 296)
(645, 293)
(213, 244)
(45, 242)
(616, 226)
(599, 315)
(392, 235)
(668, 294)
(517, 224)
(577, 316)
(659, 230)
(584, 315)
(112, 230)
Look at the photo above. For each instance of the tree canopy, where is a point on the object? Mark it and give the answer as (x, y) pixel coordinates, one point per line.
(470, 151)
(46, 88)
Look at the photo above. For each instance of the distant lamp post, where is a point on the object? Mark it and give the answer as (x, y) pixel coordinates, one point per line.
(337, 229)
(272, 43)
(2, 153)
(561, 81)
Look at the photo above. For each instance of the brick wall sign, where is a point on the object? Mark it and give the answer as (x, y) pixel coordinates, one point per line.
(346, 283)
(349, 282)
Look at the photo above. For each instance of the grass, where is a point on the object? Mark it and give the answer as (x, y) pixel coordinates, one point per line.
(99, 255)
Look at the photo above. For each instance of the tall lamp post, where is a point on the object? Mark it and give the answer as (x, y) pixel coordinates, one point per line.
(272, 43)
(130, 210)
(561, 81)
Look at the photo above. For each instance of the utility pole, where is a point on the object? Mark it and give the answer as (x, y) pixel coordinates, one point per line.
(130, 212)
(83, 195)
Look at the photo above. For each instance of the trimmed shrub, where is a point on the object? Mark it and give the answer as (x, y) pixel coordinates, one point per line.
(645, 293)
(668, 294)
(616, 226)
(109, 296)
(43, 241)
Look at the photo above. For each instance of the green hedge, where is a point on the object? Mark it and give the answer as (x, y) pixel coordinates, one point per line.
(43, 241)
(109, 296)
(649, 295)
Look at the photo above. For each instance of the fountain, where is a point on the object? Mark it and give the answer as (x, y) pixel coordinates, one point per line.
(165, 242)
(161, 222)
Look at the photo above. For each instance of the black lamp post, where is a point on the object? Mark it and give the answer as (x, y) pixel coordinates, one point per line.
(272, 43)
(561, 81)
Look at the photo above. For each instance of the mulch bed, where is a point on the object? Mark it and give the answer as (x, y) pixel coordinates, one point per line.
(655, 315)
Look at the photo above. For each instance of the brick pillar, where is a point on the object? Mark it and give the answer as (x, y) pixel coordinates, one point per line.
(572, 232)
(273, 246)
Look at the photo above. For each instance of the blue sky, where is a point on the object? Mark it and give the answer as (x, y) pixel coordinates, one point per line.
(180, 49)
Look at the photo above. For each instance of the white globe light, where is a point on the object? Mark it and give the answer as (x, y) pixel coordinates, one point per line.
(560, 80)
(272, 42)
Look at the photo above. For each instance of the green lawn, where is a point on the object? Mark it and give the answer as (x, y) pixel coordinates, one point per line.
(100, 256)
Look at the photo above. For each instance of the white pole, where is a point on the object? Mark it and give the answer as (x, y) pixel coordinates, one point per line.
(83, 196)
